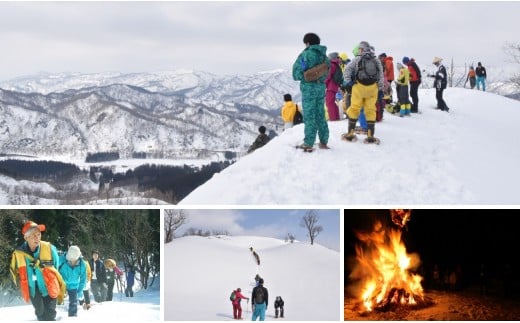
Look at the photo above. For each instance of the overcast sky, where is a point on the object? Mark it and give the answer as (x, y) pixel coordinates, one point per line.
(242, 37)
(274, 223)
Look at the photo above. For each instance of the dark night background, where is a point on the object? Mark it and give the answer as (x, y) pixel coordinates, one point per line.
(458, 240)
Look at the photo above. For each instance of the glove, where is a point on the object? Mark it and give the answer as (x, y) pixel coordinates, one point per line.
(80, 296)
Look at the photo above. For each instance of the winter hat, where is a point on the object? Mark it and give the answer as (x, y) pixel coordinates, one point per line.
(73, 253)
(436, 60)
(287, 97)
(261, 281)
(355, 51)
(333, 55)
(405, 60)
(311, 39)
(399, 66)
(382, 55)
(344, 57)
(365, 46)
(262, 130)
(30, 226)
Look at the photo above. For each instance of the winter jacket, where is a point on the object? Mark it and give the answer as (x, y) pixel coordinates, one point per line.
(351, 71)
(288, 111)
(415, 72)
(238, 297)
(389, 68)
(310, 57)
(404, 76)
(101, 274)
(266, 294)
(130, 277)
(481, 71)
(278, 302)
(329, 82)
(75, 276)
(31, 270)
(260, 141)
(441, 78)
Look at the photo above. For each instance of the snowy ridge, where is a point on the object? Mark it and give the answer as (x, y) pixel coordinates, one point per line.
(206, 270)
(467, 156)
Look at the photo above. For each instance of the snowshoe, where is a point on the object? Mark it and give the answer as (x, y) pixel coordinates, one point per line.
(360, 131)
(349, 137)
(372, 140)
(323, 146)
(305, 148)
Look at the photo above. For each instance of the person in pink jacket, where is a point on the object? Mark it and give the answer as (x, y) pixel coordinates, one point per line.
(237, 308)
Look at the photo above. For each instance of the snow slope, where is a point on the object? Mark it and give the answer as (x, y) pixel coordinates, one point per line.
(467, 156)
(203, 271)
(144, 306)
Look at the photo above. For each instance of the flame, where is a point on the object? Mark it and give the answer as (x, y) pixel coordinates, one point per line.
(383, 266)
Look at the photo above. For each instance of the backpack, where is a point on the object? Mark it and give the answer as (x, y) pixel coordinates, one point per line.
(233, 296)
(298, 118)
(367, 70)
(259, 295)
(337, 76)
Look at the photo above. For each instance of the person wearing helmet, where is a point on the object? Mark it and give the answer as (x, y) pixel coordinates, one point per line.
(440, 83)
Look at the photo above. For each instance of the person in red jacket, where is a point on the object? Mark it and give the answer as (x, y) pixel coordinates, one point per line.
(237, 308)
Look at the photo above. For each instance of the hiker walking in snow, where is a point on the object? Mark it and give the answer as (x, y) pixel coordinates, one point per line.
(130, 278)
(368, 73)
(34, 264)
(85, 300)
(255, 255)
(278, 305)
(480, 71)
(440, 83)
(260, 141)
(98, 283)
(260, 300)
(74, 273)
(236, 297)
(472, 77)
(313, 91)
(112, 275)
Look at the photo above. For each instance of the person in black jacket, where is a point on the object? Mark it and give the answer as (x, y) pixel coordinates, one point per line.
(440, 83)
(259, 301)
(480, 71)
(98, 284)
(278, 304)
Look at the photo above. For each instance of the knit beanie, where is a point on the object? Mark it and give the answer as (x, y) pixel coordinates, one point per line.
(405, 60)
(73, 254)
(287, 97)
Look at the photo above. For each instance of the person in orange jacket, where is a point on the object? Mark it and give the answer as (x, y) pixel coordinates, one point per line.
(472, 77)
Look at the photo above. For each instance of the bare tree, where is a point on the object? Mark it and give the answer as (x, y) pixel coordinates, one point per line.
(173, 220)
(309, 221)
(513, 52)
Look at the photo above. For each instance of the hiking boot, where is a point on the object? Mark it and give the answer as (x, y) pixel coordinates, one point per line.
(323, 146)
(306, 148)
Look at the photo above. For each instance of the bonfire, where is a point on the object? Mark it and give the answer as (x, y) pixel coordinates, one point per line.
(384, 269)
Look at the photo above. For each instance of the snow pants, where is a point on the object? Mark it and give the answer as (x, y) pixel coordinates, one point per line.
(332, 107)
(481, 80)
(259, 312)
(414, 94)
(73, 302)
(237, 311)
(313, 113)
(363, 96)
(44, 306)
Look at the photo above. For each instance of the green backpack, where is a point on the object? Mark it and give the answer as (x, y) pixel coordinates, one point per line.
(232, 296)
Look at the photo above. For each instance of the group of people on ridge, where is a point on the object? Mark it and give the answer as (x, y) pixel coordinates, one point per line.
(44, 277)
(477, 77)
(260, 301)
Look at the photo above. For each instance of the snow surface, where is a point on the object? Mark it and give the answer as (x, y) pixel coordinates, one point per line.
(144, 306)
(467, 156)
(203, 271)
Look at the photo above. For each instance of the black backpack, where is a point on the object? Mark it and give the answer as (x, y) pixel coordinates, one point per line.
(337, 76)
(367, 70)
(259, 295)
(298, 118)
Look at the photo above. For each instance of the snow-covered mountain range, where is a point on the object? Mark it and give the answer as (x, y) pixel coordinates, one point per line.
(170, 114)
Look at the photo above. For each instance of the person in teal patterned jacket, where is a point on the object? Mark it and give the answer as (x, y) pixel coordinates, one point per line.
(313, 93)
